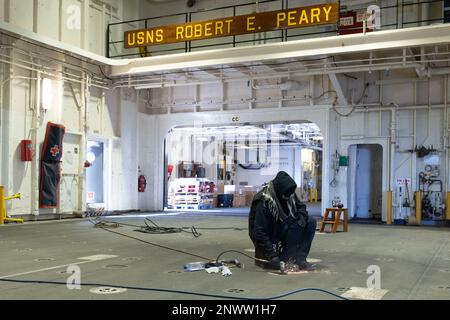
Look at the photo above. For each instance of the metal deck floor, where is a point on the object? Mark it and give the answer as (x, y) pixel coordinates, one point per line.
(414, 261)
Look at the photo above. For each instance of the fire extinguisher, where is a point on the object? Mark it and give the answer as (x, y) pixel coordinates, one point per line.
(142, 183)
(26, 148)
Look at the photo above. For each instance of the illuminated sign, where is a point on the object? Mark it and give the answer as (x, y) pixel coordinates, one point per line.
(231, 26)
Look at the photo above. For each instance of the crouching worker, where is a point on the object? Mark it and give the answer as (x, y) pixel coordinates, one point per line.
(279, 225)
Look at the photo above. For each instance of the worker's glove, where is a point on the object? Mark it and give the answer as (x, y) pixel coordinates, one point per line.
(303, 221)
(274, 263)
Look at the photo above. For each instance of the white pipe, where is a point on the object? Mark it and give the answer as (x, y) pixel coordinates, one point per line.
(42, 67)
(424, 13)
(393, 143)
(446, 135)
(385, 108)
(429, 109)
(5, 126)
(36, 155)
(48, 73)
(285, 85)
(439, 71)
(83, 144)
(398, 81)
(50, 59)
(414, 164)
(127, 83)
(318, 71)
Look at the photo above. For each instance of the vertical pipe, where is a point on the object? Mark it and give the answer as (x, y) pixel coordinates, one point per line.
(6, 123)
(2, 205)
(190, 42)
(83, 143)
(389, 208)
(414, 158)
(234, 37)
(224, 170)
(447, 211)
(103, 39)
(393, 143)
(424, 13)
(186, 43)
(85, 26)
(402, 15)
(60, 20)
(108, 40)
(446, 146)
(419, 207)
(396, 17)
(35, 142)
(2, 83)
(446, 137)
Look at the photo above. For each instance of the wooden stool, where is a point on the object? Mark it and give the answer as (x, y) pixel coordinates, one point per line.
(335, 219)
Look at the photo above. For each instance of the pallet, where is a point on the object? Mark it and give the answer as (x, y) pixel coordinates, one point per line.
(193, 207)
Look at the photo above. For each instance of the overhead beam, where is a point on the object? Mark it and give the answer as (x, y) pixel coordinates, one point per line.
(338, 88)
(389, 39)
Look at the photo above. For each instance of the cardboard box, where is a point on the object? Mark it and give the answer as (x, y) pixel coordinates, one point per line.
(220, 188)
(238, 200)
(229, 189)
(248, 196)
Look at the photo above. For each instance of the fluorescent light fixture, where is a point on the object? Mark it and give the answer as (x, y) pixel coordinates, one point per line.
(317, 138)
(155, 85)
(149, 86)
(47, 94)
(247, 148)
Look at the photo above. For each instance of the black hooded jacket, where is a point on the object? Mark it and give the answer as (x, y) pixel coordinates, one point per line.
(270, 215)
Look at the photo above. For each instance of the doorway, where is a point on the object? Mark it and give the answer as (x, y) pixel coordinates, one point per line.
(94, 173)
(234, 162)
(365, 181)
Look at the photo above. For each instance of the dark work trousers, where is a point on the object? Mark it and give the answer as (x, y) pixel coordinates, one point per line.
(297, 241)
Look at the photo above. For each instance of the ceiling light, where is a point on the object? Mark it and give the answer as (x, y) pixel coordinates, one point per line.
(47, 94)
(155, 85)
(149, 86)
(90, 157)
(317, 138)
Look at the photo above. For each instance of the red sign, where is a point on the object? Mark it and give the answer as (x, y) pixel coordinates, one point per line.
(352, 22)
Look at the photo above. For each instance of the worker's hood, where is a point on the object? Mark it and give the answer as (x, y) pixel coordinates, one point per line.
(284, 185)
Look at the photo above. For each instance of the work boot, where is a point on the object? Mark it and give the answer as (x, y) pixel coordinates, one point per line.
(259, 255)
(306, 266)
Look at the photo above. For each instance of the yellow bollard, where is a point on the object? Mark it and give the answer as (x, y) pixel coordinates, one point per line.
(389, 208)
(418, 207)
(313, 195)
(2, 205)
(3, 217)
